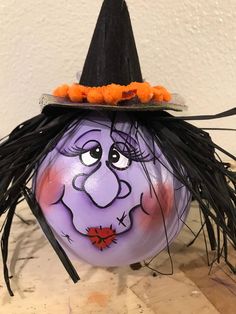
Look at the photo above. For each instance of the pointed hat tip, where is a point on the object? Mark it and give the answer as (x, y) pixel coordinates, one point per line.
(114, 3)
(113, 8)
(112, 55)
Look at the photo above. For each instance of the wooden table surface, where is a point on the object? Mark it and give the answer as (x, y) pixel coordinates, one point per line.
(41, 285)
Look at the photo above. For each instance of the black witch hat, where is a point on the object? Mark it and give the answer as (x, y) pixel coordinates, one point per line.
(112, 56)
(112, 59)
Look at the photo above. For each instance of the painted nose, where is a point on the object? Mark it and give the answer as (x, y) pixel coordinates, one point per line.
(102, 186)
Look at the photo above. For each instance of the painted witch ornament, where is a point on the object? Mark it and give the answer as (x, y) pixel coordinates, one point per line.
(108, 191)
(113, 173)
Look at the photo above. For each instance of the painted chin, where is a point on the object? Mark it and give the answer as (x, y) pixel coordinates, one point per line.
(103, 236)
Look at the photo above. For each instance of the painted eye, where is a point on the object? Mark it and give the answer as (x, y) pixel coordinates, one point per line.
(118, 160)
(92, 156)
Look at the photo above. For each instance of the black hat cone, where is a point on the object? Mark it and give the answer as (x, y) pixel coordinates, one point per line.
(112, 55)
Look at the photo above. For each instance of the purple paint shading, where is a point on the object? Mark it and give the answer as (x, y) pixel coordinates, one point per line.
(109, 194)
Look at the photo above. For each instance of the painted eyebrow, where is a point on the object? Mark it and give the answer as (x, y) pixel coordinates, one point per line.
(85, 133)
(125, 136)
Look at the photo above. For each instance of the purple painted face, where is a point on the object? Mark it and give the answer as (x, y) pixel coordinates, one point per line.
(108, 192)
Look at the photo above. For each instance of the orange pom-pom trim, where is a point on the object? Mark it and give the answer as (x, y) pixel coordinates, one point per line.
(161, 94)
(61, 91)
(113, 94)
(95, 96)
(75, 93)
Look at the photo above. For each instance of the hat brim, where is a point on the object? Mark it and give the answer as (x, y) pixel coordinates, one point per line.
(49, 102)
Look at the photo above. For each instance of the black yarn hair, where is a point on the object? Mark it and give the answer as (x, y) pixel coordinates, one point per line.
(20, 152)
(210, 181)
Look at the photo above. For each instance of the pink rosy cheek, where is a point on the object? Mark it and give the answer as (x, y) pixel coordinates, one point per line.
(156, 206)
(49, 187)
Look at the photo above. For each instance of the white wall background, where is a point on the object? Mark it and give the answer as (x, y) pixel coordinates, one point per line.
(188, 46)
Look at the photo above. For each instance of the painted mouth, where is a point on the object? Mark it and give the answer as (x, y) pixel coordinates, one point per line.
(101, 238)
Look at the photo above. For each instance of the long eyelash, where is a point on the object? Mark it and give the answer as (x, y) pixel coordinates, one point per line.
(138, 155)
(73, 151)
(131, 152)
(134, 154)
